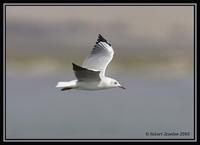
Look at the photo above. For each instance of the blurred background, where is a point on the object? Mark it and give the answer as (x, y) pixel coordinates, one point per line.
(153, 59)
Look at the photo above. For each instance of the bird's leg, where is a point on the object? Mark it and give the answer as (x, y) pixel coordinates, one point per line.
(66, 88)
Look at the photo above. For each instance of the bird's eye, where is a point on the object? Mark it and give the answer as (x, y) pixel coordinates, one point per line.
(115, 83)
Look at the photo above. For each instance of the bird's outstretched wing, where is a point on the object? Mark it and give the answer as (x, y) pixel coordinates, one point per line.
(84, 74)
(100, 57)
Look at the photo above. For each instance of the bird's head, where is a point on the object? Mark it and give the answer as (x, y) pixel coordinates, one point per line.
(114, 83)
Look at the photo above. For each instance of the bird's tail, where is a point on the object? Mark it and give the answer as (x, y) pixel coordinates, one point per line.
(66, 85)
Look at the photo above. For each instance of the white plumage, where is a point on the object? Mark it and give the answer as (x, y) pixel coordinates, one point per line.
(91, 76)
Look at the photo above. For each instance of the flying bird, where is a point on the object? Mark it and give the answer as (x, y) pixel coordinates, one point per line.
(91, 75)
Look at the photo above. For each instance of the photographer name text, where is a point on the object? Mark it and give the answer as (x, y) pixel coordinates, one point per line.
(167, 133)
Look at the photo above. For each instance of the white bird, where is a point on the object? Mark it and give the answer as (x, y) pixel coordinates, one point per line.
(91, 76)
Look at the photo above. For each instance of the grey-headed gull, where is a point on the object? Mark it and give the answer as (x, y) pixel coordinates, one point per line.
(91, 76)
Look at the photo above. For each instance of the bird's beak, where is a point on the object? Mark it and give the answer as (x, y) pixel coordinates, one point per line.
(122, 87)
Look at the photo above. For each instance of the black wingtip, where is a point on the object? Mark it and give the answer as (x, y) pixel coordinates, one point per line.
(99, 35)
(101, 39)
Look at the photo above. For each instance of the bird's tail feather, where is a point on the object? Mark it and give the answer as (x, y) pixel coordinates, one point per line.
(62, 84)
(71, 84)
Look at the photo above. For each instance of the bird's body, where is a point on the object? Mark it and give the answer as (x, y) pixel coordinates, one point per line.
(81, 85)
(91, 76)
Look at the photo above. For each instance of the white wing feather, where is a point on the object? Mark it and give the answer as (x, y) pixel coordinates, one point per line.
(100, 57)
